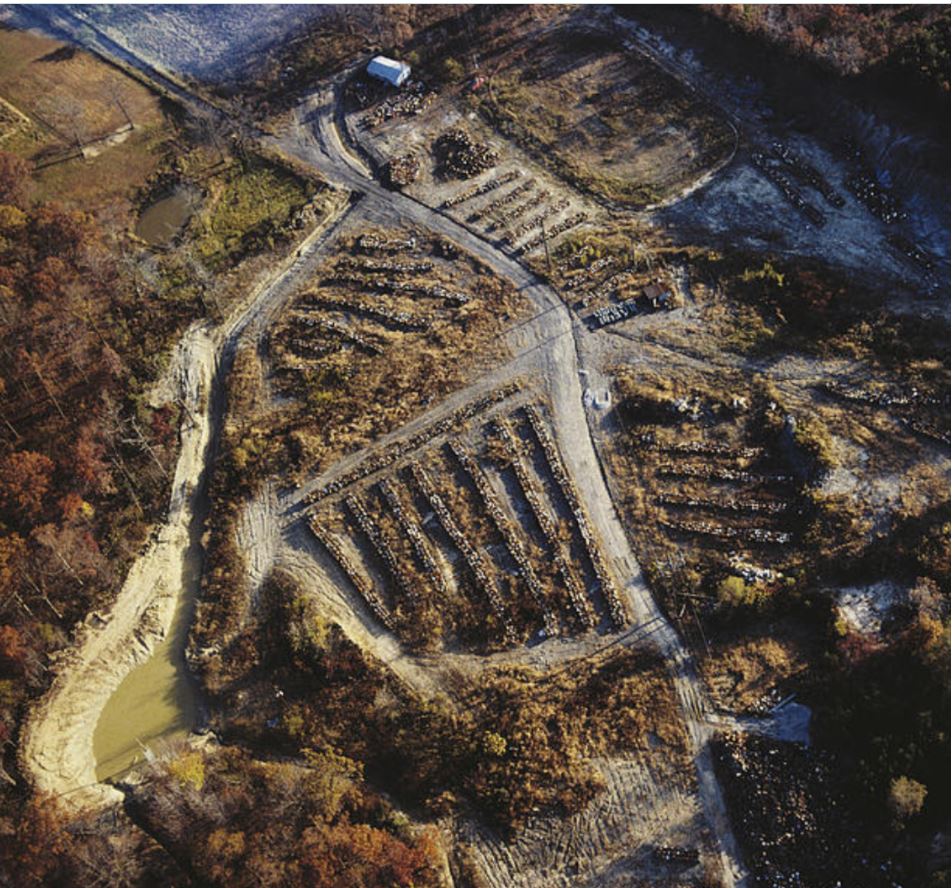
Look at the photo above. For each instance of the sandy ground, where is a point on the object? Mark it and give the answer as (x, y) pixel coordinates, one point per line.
(607, 844)
(57, 750)
(258, 538)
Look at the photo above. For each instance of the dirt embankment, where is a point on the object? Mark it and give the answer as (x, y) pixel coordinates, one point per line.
(56, 751)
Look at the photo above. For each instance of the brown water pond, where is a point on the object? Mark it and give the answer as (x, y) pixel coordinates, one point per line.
(166, 217)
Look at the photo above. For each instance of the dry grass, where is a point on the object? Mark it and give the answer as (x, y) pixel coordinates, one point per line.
(69, 89)
(69, 95)
(741, 674)
(609, 120)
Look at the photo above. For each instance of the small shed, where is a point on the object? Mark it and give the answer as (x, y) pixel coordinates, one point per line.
(389, 70)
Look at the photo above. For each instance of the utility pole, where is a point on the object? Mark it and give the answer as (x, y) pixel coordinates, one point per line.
(125, 113)
(545, 241)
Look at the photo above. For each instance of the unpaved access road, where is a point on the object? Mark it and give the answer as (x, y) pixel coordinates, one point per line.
(313, 139)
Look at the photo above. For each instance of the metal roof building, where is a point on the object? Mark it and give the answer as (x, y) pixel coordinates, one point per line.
(389, 70)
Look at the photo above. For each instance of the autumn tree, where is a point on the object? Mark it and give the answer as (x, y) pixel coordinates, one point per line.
(24, 482)
(36, 852)
(15, 182)
(13, 649)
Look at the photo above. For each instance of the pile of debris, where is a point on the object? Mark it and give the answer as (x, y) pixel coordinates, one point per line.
(763, 507)
(894, 397)
(363, 586)
(340, 331)
(401, 320)
(517, 212)
(789, 191)
(384, 266)
(538, 220)
(878, 200)
(751, 573)
(722, 532)
(461, 156)
(808, 174)
(372, 243)
(912, 251)
(555, 230)
(475, 560)
(603, 291)
(381, 546)
(383, 458)
(434, 291)
(572, 497)
(669, 854)
(412, 533)
(477, 190)
(350, 336)
(403, 169)
(413, 99)
(587, 274)
(649, 441)
(721, 473)
(580, 603)
(500, 202)
(506, 530)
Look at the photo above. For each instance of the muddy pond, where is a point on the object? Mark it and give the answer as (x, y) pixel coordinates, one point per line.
(166, 217)
(158, 699)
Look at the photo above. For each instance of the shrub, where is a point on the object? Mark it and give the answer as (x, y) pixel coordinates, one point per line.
(452, 70)
(189, 770)
(734, 592)
(906, 797)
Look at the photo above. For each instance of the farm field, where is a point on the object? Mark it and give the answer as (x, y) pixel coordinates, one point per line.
(60, 98)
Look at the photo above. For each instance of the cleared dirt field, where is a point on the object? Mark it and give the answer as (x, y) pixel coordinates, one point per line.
(606, 117)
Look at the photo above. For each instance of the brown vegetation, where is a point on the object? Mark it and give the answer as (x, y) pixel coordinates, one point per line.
(906, 39)
(236, 820)
(357, 374)
(516, 745)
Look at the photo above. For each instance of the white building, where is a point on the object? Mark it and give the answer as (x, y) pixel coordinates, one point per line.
(393, 72)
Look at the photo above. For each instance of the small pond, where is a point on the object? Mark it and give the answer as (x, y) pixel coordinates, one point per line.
(166, 217)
